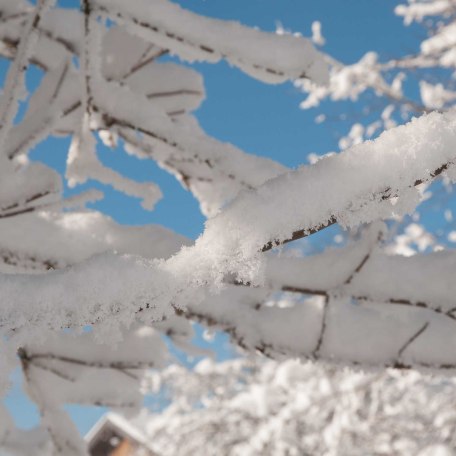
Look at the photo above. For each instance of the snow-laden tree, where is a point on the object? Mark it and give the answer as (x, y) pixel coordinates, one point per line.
(86, 303)
(251, 407)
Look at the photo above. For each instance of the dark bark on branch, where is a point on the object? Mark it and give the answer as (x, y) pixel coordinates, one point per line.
(382, 196)
(173, 36)
(271, 351)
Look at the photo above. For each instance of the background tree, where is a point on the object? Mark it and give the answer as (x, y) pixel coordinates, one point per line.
(86, 302)
(258, 406)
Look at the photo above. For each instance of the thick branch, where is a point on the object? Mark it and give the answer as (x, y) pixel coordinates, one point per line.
(381, 196)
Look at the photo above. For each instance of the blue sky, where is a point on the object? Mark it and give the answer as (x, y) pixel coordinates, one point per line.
(261, 119)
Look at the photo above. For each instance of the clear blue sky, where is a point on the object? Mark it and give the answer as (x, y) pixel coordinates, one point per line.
(261, 119)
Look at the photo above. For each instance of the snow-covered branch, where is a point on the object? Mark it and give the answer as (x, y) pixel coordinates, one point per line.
(373, 180)
(269, 57)
(357, 293)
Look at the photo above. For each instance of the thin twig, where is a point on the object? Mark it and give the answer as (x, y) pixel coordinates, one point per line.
(321, 336)
(412, 339)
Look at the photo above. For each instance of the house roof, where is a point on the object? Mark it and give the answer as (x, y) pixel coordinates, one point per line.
(115, 422)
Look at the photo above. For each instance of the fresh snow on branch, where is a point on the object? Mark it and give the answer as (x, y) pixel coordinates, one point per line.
(373, 180)
(265, 56)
